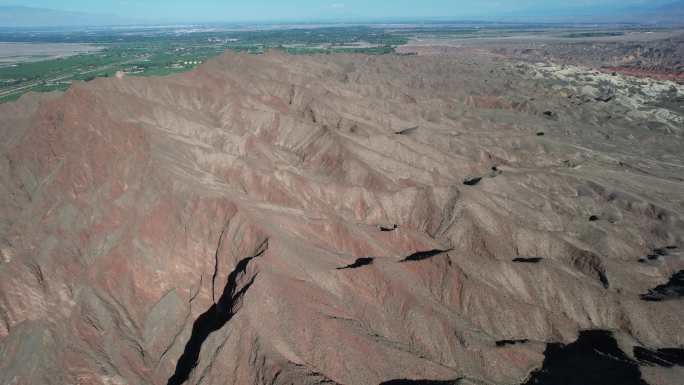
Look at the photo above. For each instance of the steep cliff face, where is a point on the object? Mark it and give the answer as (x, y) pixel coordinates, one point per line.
(280, 219)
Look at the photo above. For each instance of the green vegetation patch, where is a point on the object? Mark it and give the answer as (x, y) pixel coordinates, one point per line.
(159, 54)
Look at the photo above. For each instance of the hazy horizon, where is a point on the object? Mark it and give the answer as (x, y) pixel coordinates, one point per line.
(113, 12)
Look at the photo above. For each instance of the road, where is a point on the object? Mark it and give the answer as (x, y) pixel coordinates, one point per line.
(61, 77)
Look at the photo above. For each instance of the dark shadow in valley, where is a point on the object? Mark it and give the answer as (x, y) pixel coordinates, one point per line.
(472, 181)
(212, 320)
(501, 343)
(550, 115)
(657, 254)
(421, 382)
(407, 131)
(421, 255)
(603, 278)
(358, 263)
(667, 357)
(527, 259)
(594, 359)
(673, 289)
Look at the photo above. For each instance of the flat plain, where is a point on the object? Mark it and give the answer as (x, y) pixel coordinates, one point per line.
(14, 53)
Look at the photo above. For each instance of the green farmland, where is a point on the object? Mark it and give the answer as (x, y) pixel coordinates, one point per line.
(157, 54)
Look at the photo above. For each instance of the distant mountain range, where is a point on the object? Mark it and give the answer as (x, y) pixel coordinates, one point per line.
(672, 13)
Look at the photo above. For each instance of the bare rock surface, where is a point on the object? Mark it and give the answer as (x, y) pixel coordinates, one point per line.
(648, 54)
(274, 219)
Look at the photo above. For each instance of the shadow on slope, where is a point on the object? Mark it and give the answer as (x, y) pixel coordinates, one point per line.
(594, 359)
(212, 320)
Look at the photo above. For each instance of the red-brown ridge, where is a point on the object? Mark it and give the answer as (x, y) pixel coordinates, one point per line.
(191, 228)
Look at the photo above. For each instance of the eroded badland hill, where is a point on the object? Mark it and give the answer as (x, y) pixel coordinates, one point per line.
(275, 219)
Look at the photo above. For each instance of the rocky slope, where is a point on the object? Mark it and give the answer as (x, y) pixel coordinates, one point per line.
(656, 55)
(332, 219)
(661, 58)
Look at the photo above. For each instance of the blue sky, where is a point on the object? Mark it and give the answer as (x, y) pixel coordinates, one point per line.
(248, 10)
